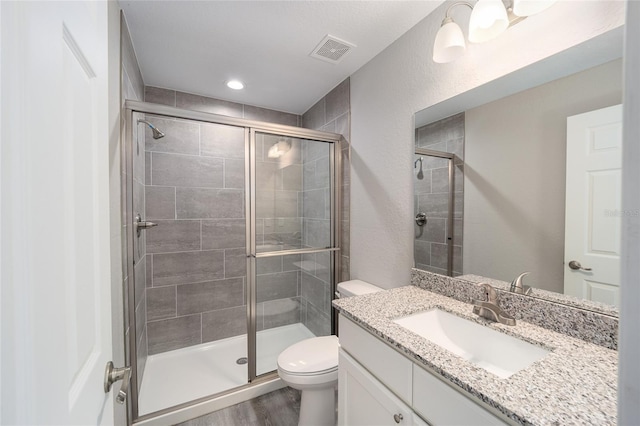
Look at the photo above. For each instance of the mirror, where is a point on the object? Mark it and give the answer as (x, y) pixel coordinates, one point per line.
(511, 182)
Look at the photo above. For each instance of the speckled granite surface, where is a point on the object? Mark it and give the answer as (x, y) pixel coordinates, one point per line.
(574, 384)
(550, 296)
(574, 319)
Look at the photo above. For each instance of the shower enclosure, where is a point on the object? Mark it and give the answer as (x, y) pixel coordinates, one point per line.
(232, 245)
(438, 190)
(437, 210)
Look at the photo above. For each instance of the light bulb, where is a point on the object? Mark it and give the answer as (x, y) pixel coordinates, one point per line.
(235, 84)
(488, 20)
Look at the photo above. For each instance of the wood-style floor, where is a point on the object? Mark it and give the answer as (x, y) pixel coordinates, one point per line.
(277, 408)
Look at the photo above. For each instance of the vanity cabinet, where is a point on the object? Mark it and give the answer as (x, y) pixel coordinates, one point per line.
(443, 405)
(377, 385)
(364, 401)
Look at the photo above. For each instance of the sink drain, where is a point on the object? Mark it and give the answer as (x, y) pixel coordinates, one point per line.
(242, 360)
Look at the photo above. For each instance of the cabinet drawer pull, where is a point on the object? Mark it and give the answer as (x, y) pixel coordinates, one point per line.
(398, 418)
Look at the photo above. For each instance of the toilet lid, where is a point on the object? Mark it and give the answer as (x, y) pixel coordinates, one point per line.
(310, 356)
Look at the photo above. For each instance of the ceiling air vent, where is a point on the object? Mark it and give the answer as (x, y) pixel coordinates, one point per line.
(332, 49)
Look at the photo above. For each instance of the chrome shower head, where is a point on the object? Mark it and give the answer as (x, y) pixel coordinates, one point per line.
(157, 134)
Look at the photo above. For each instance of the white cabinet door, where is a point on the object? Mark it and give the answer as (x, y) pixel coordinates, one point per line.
(56, 300)
(593, 200)
(441, 404)
(386, 364)
(364, 401)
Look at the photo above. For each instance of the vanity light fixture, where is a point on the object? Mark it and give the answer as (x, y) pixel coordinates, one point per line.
(489, 19)
(279, 148)
(235, 84)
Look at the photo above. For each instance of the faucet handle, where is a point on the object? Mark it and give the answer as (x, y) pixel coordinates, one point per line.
(518, 287)
(490, 293)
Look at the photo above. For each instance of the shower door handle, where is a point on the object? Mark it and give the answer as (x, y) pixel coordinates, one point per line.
(140, 224)
(112, 375)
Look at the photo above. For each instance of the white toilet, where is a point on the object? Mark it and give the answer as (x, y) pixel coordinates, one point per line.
(311, 366)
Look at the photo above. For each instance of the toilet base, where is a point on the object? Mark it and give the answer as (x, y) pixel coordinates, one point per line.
(318, 407)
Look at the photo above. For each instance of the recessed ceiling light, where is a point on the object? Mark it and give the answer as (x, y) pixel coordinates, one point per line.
(235, 84)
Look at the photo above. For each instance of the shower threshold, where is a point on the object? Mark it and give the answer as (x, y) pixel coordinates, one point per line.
(183, 375)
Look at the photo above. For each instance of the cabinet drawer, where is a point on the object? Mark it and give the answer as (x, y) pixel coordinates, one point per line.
(440, 404)
(389, 366)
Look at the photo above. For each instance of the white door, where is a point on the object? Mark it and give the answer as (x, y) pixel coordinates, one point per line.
(56, 306)
(592, 215)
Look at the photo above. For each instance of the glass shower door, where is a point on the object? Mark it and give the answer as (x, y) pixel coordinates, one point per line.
(293, 240)
(232, 258)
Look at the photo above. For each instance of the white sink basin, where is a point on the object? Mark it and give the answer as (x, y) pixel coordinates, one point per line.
(496, 352)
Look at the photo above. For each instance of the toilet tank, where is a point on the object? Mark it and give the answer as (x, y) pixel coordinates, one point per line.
(356, 288)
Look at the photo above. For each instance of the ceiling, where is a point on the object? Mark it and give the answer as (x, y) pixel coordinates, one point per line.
(196, 46)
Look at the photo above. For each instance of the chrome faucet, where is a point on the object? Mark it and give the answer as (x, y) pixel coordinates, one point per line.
(490, 309)
(518, 287)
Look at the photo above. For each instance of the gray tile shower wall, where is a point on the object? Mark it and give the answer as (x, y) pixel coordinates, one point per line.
(279, 226)
(133, 85)
(431, 195)
(195, 192)
(197, 257)
(332, 113)
(194, 102)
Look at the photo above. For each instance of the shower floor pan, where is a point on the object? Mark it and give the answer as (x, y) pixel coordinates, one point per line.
(175, 377)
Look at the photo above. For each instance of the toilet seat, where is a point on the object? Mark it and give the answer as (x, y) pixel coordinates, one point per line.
(309, 381)
(314, 373)
(311, 366)
(310, 357)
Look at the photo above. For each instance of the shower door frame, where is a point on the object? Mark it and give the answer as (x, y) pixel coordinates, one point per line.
(451, 169)
(250, 128)
(252, 254)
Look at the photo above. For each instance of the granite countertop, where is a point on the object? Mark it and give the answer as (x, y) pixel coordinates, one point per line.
(551, 296)
(576, 383)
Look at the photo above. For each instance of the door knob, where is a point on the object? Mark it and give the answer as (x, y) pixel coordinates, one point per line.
(575, 265)
(112, 375)
(398, 418)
